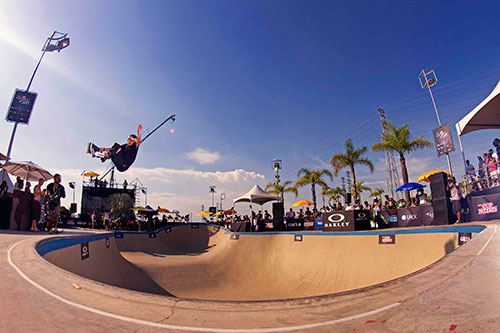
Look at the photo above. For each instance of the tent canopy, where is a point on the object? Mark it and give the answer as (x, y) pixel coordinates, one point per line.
(484, 116)
(257, 195)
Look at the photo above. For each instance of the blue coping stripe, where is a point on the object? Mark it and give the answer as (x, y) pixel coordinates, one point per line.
(52, 244)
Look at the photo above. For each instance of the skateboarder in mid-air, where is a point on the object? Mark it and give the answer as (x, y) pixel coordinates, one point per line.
(122, 155)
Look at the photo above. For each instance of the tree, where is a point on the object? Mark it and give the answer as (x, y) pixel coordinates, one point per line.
(351, 157)
(399, 140)
(281, 189)
(377, 193)
(314, 177)
(359, 188)
(121, 203)
(334, 193)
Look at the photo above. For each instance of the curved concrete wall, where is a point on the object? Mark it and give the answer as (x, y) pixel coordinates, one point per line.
(206, 263)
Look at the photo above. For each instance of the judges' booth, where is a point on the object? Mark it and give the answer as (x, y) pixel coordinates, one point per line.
(346, 220)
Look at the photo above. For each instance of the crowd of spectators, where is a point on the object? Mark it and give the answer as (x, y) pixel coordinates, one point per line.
(488, 169)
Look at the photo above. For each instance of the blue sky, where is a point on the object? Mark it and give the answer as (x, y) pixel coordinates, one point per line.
(249, 82)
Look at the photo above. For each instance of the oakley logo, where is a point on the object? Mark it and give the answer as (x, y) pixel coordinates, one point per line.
(336, 218)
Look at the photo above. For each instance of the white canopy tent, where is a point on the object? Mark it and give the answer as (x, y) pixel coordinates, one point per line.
(257, 195)
(484, 116)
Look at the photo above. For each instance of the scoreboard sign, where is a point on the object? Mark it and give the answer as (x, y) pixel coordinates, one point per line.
(21, 106)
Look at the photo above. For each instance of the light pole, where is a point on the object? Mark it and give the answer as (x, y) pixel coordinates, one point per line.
(276, 167)
(211, 189)
(427, 80)
(57, 41)
(222, 197)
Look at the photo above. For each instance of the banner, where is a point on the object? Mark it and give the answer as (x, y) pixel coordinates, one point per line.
(294, 224)
(485, 207)
(346, 220)
(408, 217)
(426, 215)
(443, 140)
(21, 106)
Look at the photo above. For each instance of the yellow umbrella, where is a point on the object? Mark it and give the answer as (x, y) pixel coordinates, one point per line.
(425, 177)
(203, 213)
(91, 174)
(303, 203)
(219, 213)
(229, 212)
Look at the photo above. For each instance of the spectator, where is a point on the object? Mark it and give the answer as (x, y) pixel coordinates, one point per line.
(421, 197)
(4, 188)
(19, 184)
(27, 188)
(36, 206)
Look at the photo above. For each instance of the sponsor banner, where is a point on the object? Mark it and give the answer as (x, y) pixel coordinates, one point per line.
(235, 236)
(84, 249)
(308, 225)
(118, 235)
(294, 224)
(152, 235)
(386, 218)
(362, 220)
(338, 220)
(21, 106)
(387, 239)
(239, 226)
(408, 217)
(195, 226)
(443, 140)
(464, 237)
(298, 238)
(426, 215)
(318, 223)
(107, 242)
(485, 207)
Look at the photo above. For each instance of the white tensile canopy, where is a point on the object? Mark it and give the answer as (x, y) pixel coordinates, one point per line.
(484, 116)
(257, 195)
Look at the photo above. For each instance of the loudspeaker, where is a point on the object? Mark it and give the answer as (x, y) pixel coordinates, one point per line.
(443, 212)
(278, 213)
(438, 186)
(348, 199)
(72, 208)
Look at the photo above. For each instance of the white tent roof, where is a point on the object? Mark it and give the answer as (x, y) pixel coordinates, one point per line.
(257, 195)
(485, 115)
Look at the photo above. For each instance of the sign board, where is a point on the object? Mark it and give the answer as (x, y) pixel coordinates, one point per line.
(118, 235)
(195, 226)
(464, 237)
(485, 207)
(294, 224)
(152, 235)
(84, 250)
(346, 220)
(235, 236)
(387, 239)
(107, 243)
(21, 106)
(443, 140)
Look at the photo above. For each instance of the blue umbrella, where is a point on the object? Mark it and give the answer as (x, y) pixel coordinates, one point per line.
(410, 186)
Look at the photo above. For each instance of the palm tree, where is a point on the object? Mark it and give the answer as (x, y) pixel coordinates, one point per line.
(377, 193)
(281, 189)
(359, 187)
(351, 157)
(334, 193)
(399, 140)
(314, 177)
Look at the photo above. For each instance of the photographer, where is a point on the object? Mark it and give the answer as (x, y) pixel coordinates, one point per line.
(456, 196)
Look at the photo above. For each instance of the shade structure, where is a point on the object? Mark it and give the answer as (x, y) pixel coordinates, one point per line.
(91, 174)
(229, 212)
(303, 203)
(257, 195)
(484, 116)
(26, 170)
(410, 187)
(425, 176)
(203, 213)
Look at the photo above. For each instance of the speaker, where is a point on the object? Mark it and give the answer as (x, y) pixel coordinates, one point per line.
(438, 186)
(443, 212)
(278, 213)
(72, 208)
(348, 199)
